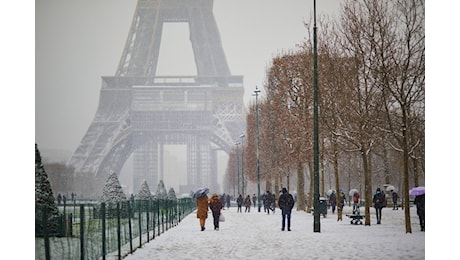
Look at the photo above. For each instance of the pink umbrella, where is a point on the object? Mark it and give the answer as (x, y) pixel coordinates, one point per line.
(417, 191)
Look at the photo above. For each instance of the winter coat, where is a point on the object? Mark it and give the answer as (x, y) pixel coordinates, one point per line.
(286, 201)
(395, 196)
(202, 205)
(267, 199)
(356, 198)
(239, 201)
(215, 204)
(247, 201)
(332, 199)
(419, 201)
(379, 200)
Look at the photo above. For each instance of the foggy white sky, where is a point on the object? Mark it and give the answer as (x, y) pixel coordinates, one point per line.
(77, 42)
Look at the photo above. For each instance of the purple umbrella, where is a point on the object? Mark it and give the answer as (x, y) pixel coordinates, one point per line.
(417, 191)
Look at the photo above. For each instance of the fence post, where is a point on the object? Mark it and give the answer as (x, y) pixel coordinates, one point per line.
(82, 232)
(140, 226)
(103, 230)
(130, 229)
(158, 213)
(147, 208)
(153, 217)
(70, 226)
(119, 230)
(45, 232)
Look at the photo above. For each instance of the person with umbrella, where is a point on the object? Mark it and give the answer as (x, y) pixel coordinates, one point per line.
(202, 205)
(419, 201)
(379, 203)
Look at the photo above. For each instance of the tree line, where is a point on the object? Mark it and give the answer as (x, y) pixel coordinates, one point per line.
(371, 67)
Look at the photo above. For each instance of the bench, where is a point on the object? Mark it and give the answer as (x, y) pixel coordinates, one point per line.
(355, 219)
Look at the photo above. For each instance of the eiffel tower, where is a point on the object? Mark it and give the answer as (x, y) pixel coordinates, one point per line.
(139, 112)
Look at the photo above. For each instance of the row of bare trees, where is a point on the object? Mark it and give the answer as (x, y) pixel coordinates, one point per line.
(371, 65)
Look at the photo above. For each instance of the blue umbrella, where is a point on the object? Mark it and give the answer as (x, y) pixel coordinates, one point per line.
(417, 191)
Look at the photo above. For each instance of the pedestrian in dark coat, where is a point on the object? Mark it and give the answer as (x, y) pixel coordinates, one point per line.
(394, 196)
(286, 203)
(333, 201)
(343, 200)
(247, 204)
(239, 202)
(215, 204)
(267, 201)
(254, 199)
(379, 203)
(228, 200)
(419, 201)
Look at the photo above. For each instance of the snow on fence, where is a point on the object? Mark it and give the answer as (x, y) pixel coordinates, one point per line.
(106, 230)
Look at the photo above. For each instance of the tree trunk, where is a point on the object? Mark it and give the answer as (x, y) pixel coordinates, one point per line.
(337, 184)
(406, 175)
(367, 188)
(300, 186)
(310, 191)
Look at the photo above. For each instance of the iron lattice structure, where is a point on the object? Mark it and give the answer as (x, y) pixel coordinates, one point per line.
(140, 112)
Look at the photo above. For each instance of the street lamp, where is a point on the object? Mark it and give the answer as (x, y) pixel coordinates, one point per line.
(316, 218)
(238, 166)
(242, 136)
(256, 93)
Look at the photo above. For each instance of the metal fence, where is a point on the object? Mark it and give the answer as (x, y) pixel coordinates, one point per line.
(105, 230)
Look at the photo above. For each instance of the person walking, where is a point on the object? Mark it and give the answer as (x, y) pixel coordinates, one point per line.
(267, 201)
(394, 196)
(343, 200)
(202, 212)
(228, 200)
(239, 202)
(215, 204)
(333, 201)
(286, 203)
(254, 199)
(247, 204)
(379, 203)
(356, 203)
(419, 201)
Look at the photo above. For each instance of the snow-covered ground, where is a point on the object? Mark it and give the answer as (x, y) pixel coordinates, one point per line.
(257, 235)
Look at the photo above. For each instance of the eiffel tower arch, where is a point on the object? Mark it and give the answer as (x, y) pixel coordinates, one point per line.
(140, 112)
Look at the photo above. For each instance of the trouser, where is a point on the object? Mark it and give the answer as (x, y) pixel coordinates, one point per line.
(421, 217)
(216, 215)
(378, 214)
(286, 214)
(395, 205)
(239, 208)
(202, 222)
(247, 209)
(355, 208)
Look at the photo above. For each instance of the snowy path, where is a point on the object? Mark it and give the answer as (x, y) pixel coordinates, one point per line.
(257, 235)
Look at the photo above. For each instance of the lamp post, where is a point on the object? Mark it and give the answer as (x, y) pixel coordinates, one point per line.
(256, 93)
(316, 218)
(242, 136)
(238, 166)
